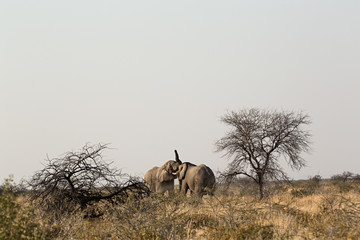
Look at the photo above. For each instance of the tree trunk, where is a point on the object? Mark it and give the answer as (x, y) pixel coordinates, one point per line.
(261, 185)
(261, 190)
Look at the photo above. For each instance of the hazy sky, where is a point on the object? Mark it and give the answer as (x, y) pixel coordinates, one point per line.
(153, 76)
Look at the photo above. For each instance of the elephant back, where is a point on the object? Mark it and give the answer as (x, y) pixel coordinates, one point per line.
(206, 176)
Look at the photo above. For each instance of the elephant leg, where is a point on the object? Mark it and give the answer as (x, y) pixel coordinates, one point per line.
(180, 184)
(184, 188)
(198, 192)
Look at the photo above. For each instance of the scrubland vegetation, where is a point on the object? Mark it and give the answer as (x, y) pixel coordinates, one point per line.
(311, 209)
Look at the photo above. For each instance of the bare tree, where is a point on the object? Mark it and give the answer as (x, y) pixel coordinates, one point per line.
(345, 176)
(80, 179)
(259, 139)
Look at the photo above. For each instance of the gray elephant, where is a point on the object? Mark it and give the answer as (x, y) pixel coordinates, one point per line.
(198, 179)
(161, 179)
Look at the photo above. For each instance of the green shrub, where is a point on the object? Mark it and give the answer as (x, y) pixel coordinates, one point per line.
(17, 222)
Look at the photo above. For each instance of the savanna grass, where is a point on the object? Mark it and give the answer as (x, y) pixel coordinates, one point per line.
(300, 210)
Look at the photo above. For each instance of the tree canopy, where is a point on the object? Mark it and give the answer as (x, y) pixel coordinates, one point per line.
(259, 139)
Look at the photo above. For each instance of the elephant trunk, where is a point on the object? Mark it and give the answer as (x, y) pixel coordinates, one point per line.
(177, 157)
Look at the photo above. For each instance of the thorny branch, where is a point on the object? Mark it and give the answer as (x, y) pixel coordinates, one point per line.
(79, 179)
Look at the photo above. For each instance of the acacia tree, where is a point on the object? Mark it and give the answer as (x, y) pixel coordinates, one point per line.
(259, 139)
(81, 178)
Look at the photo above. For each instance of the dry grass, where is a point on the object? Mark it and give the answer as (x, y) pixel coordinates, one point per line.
(303, 210)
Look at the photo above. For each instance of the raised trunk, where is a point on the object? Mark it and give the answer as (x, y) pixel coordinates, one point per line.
(177, 158)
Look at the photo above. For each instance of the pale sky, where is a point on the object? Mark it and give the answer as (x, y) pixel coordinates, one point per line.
(149, 77)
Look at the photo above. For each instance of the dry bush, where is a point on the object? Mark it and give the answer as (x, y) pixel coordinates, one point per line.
(82, 181)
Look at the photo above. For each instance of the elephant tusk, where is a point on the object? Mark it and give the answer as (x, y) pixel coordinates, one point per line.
(175, 173)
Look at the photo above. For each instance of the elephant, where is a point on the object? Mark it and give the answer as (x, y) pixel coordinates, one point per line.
(198, 179)
(161, 179)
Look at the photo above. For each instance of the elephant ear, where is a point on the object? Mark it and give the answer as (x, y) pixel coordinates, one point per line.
(164, 174)
(183, 170)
